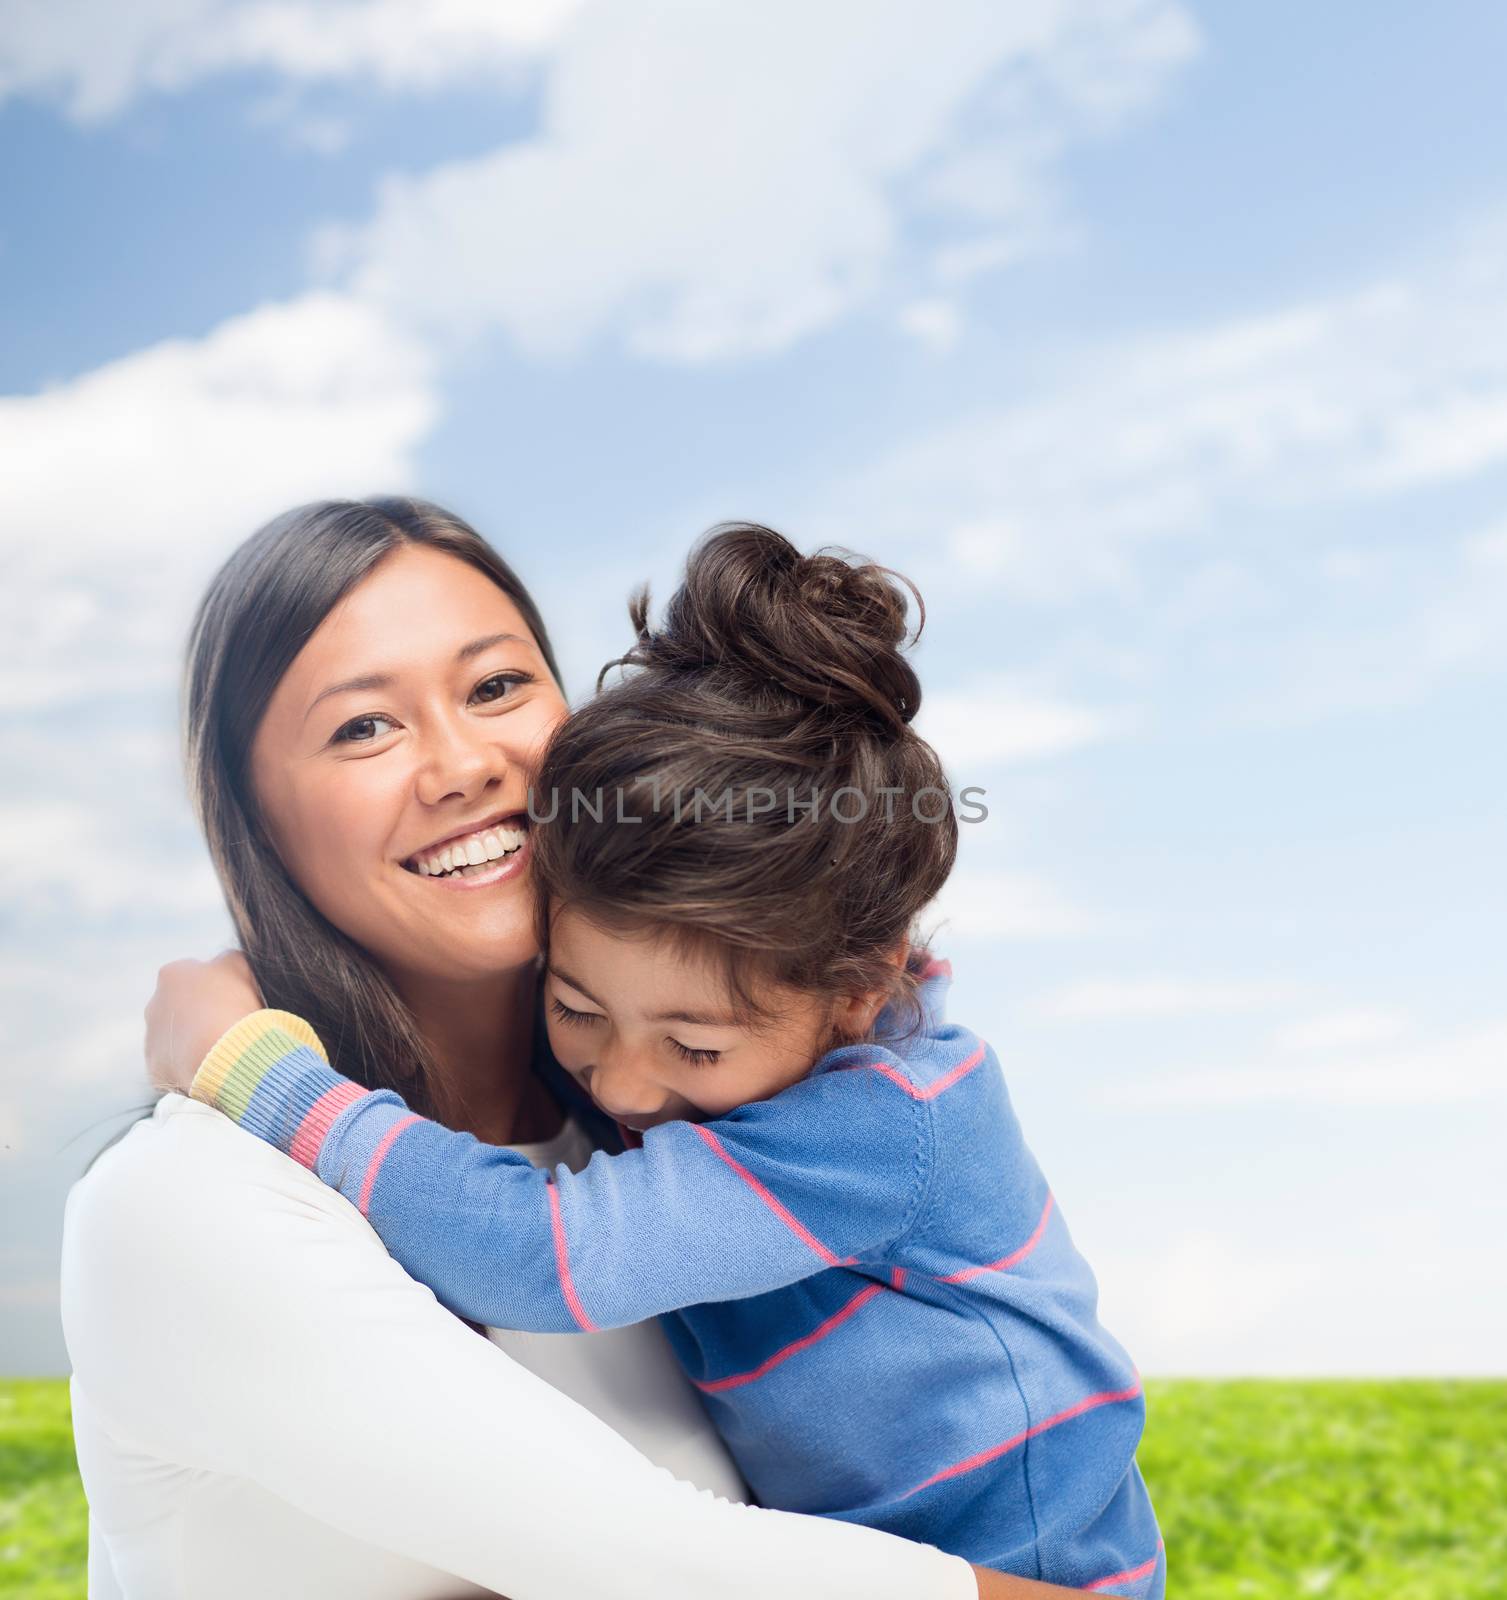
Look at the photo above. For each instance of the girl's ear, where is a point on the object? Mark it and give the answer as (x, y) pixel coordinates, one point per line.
(853, 1015)
(849, 1023)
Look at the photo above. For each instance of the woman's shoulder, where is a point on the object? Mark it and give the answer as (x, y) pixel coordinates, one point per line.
(184, 1147)
(186, 1186)
(185, 1245)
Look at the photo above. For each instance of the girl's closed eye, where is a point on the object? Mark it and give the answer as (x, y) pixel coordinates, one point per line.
(701, 1058)
(568, 1014)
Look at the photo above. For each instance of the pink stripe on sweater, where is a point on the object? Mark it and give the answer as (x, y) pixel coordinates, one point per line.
(1131, 1575)
(562, 1262)
(838, 1317)
(714, 1144)
(319, 1119)
(932, 1090)
(379, 1155)
(984, 1457)
(938, 967)
(1005, 1262)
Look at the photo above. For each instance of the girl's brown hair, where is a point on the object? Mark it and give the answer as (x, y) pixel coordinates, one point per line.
(259, 612)
(752, 787)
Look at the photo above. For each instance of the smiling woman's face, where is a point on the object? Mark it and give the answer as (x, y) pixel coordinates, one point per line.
(393, 766)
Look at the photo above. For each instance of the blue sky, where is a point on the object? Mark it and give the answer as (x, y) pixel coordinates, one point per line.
(1164, 345)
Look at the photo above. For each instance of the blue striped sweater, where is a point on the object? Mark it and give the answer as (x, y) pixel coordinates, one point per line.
(866, 1276)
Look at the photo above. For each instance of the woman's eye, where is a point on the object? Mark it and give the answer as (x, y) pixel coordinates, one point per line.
(700, 1058)
(496, 688)
(362, 730)
(565, 1014)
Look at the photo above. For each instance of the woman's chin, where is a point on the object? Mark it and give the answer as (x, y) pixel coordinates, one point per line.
(462, 929)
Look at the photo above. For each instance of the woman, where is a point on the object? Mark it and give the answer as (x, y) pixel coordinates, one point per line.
(368, 681)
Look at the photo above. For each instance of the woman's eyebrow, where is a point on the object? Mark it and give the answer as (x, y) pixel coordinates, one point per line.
(384, 680)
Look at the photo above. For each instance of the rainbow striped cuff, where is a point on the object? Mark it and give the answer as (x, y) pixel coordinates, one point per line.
(269, 1073)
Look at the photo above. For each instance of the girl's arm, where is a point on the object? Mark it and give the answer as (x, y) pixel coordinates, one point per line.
(831, 1170)
(225, 1313)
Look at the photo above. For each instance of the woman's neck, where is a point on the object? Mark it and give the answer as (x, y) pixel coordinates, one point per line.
(481, 1036)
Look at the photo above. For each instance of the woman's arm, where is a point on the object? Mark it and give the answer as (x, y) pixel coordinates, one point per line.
(224, 1311)
(830, 1171)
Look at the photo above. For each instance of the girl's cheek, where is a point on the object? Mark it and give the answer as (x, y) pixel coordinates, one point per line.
(564, 1049)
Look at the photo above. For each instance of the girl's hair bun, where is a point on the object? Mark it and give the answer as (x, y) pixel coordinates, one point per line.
(826, 629)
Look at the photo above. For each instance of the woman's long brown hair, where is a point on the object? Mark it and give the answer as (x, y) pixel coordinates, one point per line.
(259, 612)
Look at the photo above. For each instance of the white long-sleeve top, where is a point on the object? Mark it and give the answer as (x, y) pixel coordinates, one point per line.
(235, 1330)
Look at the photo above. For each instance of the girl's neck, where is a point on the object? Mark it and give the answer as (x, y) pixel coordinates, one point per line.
(481, 1035)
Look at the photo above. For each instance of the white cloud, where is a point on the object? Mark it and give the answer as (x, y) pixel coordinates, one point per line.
(1221, 432)
(934, 323)
(1203, 1302)
(1007, 905)
(707, 182)
(713, 182)
(85, 860)
(993, 721)
(1444, 617)
(123, 486)
(1337, 1030)
(176, 445)
(107, 1052)
(79, 1058)
(1305, 1286)
(1464, 1068)
(1488, 549)
(1124, 999)
(96, 56)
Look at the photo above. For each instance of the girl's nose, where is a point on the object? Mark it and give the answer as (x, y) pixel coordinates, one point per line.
(623, 1091)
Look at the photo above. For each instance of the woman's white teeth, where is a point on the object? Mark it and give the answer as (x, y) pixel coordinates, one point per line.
(488, 844)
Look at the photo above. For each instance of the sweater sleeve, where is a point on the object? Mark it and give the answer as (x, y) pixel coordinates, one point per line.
(226, 1315)
(831, 1171)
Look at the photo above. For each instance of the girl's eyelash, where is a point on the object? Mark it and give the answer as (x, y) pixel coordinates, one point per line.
(701, 1058)
(342, 734)
(566, 1014)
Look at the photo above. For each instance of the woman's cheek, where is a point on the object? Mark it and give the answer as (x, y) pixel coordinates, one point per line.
(338, 845)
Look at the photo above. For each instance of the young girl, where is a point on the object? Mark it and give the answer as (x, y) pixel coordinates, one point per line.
(858, 1261)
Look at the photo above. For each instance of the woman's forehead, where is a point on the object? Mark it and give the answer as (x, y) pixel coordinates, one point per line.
(417, 593)
(418, 608)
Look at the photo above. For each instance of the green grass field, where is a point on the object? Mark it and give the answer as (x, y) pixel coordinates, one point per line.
(1352, 1491)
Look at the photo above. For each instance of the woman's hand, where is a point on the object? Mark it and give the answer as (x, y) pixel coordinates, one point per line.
(193, 1004)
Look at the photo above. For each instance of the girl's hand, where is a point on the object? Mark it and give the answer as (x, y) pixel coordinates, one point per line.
(1001, 1586)
(194, 1003)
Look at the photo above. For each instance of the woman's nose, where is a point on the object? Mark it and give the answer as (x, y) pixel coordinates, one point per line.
(459, 759)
